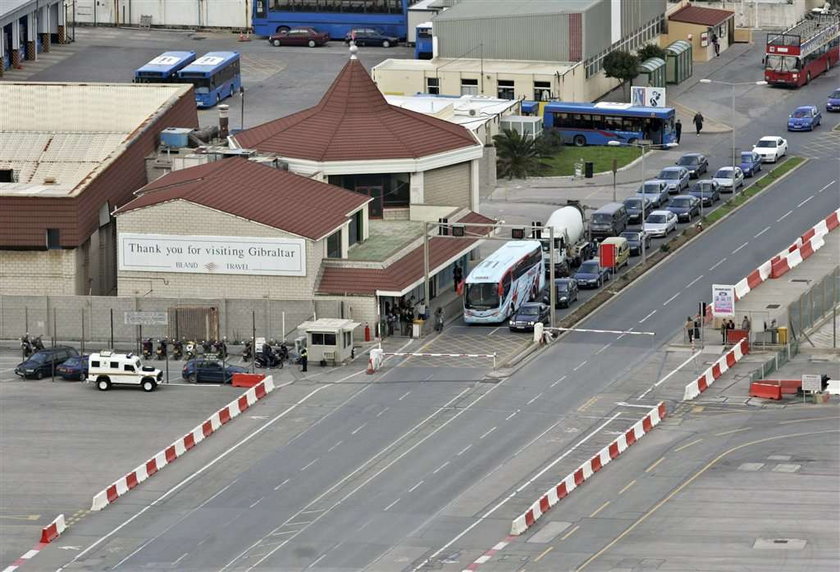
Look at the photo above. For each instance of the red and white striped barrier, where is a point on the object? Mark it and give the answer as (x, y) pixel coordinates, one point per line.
(782, 265)
(436, 355)
(717, 369)
(557, 493)
(182, 445)
(53, 530)
(490, 553)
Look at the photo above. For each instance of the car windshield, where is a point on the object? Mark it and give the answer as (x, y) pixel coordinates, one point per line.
(633, 203)
(563, 286)
(38, 358)
(630, 236)
(766, 143)
(669, 175)
(601, 217)
(529, 311)
(483, 295)
(746, 157)
(681, 202)
(589, 267)
(800, 113)
(835, 94)
(73, 362)
(688, 161)
(650, 188)
(723, 174)
(703, 187)
(656, 218)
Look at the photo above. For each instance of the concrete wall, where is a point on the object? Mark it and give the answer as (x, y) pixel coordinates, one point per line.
(448, 186)
(770, 14)
(513, 37)
(164, 13)
(188, 219)
(50, 272)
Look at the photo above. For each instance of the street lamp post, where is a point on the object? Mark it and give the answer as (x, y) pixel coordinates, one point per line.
(732, 86)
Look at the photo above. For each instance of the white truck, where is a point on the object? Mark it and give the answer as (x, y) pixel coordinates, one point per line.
(570, 244)
(107, 368)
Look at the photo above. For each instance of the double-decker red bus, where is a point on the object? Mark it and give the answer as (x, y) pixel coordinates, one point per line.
(803, 51)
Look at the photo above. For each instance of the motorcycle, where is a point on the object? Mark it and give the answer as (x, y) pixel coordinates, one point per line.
(283, 352)
(247, 351)
(160, 352)
(220, 348)
(191, 350)
(38, 344)
(207, 347)
(267, 358)
(26, 346)
(177, 350)
(147, 348)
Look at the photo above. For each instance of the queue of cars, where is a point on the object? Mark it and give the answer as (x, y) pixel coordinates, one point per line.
(305, 36)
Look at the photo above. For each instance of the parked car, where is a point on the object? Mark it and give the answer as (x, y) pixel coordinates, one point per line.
(771, 148)
(591, 274)
(75, 368)
(695, 163)
(526, 317)
(686, 207)
(750, 163)
(833, 101)
(565, 291)
(370, 37)
(654, 190)
(299, 37)
(635, 205)
(707, 190)
(660, 223)
(634, 241)
(41, 363)
(804, 118)
(209, 371)
(729, 179)
(676, 178)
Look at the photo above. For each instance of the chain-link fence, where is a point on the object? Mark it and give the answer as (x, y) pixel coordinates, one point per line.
(777, 360)
(813, 305)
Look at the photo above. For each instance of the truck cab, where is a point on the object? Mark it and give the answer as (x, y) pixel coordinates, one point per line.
(107, 368)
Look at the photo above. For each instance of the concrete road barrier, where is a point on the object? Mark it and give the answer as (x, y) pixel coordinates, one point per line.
(717, 369)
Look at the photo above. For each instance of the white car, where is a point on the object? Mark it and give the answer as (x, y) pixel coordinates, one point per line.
(729, 179)
(771, 148)
(660, 223)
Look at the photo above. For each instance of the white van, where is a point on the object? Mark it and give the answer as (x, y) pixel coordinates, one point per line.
(107, 368)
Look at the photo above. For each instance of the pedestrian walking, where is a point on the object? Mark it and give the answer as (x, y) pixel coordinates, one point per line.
(689, 329)
(678, 130)
(745, 324)
(716, 44)
(697, 325)
(304, 359)
(391, 319)
(698, 122)
(439, 319)
(723, 327)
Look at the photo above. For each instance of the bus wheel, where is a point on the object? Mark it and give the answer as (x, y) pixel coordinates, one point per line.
(231, 91)
(579, 140)
(218, 98)
(807, 78)
(632, 141)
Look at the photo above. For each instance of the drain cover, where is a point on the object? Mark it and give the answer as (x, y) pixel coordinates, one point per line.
(780, 543)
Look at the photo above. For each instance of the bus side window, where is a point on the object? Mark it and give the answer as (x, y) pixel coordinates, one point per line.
(506, 285)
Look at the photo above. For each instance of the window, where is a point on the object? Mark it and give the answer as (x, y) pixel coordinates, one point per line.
(348, 339)
(53, 239)
(94, 364)
(392, 187)
(7, 176)
(115, 365)
(542, 90)
(319, 339)
(356, 230)
(334, 245)
(469, 87)
(505, 90)
(433, 85)
(128, 367)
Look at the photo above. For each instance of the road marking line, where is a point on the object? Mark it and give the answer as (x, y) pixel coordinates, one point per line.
(281, 484)
(383, 411)
(678, 368)
(568, 534)
(740, 247)
(766, 228)
(314, 562)
(653, 466)
(256, 502)
(693, 282)
(624, 334)
(733, 431)
(511, 415)
(181, 557)
(488, 432)
(583, 363)
(588, 403)
(596, 353)
(643, 320)
(306, 466)
(533, 399)
(391, 505)
(403, 396)
(599, 509)
(330, 450)
(719, 262)
(439, 468)
(544, 552)
(671, 299)
(411, 490)
(537, 438)
(784, 216)
(807, 419)
(558, 381)
(357, 429)
(494, 330)
(805, 201)
(825, 187)
(687, 445)
(464, 450)
(627, 486)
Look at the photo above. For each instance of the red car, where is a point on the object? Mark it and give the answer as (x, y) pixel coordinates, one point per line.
(299, 37)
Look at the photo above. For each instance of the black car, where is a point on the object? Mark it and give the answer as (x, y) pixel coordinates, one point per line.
(527, 316)
(634, 241)
(707, 190)
(695, 163)
(370, 37)
(75, 368)
(686, 207)
(209, 371)
(43, 362)
(634, 205)
(566, 292)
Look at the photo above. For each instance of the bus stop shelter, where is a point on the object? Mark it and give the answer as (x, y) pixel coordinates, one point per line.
(329, 340)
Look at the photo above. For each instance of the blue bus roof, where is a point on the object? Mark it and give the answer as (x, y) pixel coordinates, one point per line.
(608, 108)
(166, 61)
(210, 62)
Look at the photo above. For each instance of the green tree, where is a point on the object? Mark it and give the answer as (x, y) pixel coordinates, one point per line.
(517, 156)
(651, 51)
(622, 66)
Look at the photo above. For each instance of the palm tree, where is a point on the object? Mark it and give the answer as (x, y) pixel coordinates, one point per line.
(516, 156)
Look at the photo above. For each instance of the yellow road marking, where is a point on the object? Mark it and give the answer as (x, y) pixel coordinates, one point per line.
(588, 404)
(731, 432)
(804, 420)
(676, 491)
(20, 516)
(546, 551)
(627, 486)
(568, 534)
(649, 469)
(687, 445)
(697, 408)
(599, 509)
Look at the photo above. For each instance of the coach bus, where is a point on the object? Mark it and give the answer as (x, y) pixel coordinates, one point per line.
(803, 51)
(331, 16)
(503, 281)
(600, 123)
(164, 68)
(423, 49)
(215, 76)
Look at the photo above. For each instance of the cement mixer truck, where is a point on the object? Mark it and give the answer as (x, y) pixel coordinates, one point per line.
(570, 244)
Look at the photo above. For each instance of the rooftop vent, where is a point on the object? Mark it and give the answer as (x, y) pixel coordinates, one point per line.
(49, 180)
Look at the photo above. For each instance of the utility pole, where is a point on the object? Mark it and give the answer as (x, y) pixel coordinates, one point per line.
(426, 290)
(552, 296)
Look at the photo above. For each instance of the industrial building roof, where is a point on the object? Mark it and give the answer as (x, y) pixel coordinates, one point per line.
(56, 137)
(353, 122)
(702, 16)
(481, 9)
(256, 192)
(470, 111)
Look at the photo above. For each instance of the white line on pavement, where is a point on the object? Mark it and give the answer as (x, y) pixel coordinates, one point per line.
(596, 353)
(330, 450)
(805, 201)
(580, 365)
(486, 433)
(643, 320)
(722, 260)
(671, 299)
(359, 428)
(494, 330)
(784, 216)
(825, 187)
(558, 381)
(391, 505)
(693, 282)
(511, 415)
(533, 399)
(281, 484)
(383, 411)
(766, 228)
(411, 490)
(309, 464)
(740, 247)
(256, 502)
(675, 370)
(403, 396)
(464, 450)
(440, 468)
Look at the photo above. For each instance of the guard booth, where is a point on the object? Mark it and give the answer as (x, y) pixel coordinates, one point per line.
(679, 64)
(329, 340)
(652, 73)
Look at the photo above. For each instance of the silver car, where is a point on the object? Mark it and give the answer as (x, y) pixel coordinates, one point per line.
(729, 179)
(656, 191)
(676, 177)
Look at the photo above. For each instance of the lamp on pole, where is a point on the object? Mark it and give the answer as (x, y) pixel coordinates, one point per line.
(644, 148)
(732, 86)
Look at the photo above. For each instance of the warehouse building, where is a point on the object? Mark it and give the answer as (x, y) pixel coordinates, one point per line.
(29, 27)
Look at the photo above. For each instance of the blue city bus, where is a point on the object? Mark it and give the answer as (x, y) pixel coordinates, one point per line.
(164, 68)
(600, 123)
(335, 18)
(215, 76)
(423, 44)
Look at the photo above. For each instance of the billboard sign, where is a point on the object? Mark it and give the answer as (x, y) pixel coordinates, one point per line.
(146, 318)
(647, 96)
(247, 256)
(723, 301)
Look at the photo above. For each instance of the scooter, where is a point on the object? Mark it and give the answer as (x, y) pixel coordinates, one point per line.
(191, 350)
(207, 347)
(26, 346)
(147, 348)
(221, 349)
(267, 358)
(161, 350)
(247, 351)
(177, 350)
(283, 352)
(38, 344)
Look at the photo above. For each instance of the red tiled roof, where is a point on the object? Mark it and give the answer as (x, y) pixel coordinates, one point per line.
(353, 122)
(703, 16)
(403, 272)
(256, 192)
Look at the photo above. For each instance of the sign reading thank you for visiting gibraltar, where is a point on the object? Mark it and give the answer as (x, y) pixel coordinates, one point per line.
(212, 254)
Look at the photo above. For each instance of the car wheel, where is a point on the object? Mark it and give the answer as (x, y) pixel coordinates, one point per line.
(386, 44)
(190, 378)
(39, 374)
(103, 384)
(148, 385)
(579, 140)
(311, 43)
(598, 283)
(276, 43)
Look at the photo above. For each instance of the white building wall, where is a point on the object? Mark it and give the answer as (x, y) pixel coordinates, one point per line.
(180, 13)
(39, 272)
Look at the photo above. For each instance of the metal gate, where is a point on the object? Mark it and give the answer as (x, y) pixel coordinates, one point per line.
(194, 323)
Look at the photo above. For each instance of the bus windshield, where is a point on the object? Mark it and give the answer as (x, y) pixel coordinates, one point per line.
(782, 63)
(482, 295)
